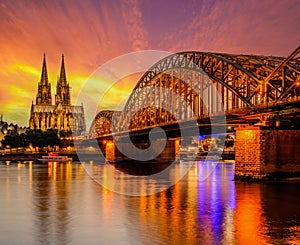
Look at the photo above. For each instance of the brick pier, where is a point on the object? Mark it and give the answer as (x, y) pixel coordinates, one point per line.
(263, 153)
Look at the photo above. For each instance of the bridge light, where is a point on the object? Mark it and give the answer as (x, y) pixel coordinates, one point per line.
(298, 81)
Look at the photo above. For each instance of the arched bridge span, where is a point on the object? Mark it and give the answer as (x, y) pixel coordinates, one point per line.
(199, 84)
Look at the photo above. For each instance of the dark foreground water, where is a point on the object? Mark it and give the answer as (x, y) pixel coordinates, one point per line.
(62, 204)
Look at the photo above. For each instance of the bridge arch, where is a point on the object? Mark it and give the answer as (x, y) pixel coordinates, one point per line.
(101, 124)
(219, 68)
(199, 79)
(241, 81)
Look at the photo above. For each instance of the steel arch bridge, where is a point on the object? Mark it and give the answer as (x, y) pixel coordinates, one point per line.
(102, 123)
(200, 84)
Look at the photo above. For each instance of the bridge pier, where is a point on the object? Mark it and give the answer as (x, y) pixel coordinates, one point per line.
(113, 154)
(110, 151)
(263, 153)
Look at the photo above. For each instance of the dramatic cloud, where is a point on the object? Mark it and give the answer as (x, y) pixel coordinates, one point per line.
(132, 15)
(92, 32)
(257, 27)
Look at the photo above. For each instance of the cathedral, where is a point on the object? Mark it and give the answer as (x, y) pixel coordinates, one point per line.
(62, 115)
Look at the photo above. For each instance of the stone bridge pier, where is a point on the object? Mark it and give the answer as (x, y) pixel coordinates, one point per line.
(263, 153)
(114, 155)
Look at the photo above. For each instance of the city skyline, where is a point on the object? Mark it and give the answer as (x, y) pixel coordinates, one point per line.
(91, 33)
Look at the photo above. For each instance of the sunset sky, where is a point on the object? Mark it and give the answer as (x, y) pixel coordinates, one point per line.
(92, 32)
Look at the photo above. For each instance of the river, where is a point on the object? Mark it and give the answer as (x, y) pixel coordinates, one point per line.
(63, 203)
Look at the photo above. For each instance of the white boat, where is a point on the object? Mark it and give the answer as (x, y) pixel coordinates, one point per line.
(53, 157)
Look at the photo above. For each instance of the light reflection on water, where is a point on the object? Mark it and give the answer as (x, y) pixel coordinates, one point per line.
(60, 204)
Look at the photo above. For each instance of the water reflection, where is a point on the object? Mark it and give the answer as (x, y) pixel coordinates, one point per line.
(190, 212)
(216, 204)
(281, 211)
(123, 179)
(249, 218)
(61, 204)
(141, 168)
(51, 202)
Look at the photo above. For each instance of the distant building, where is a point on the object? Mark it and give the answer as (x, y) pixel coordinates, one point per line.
(62, 115)
(9, 128)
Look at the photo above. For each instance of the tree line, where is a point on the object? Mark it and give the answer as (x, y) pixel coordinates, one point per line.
(36, 138)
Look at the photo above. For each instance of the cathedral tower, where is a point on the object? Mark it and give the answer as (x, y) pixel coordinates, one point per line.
(60, 116)
(43, 96)
(62, 87)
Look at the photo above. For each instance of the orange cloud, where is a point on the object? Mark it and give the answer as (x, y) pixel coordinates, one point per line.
(92, 32)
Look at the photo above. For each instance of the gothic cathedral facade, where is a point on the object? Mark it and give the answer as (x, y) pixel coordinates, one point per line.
(62, 115)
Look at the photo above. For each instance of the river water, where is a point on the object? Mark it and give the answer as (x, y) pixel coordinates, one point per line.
(63, 204)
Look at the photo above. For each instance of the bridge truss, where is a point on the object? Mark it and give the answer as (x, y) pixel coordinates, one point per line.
(199, 84)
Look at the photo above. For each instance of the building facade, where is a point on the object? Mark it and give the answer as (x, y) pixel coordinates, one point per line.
(61, 115)
(9, 129)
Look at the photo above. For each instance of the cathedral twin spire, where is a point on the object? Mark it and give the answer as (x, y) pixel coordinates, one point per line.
(43, 96)
(61, 115)
(44, 77)
(62, 95)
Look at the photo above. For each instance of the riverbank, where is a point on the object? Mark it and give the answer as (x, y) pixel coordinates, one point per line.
(30, 156)
(34, 156)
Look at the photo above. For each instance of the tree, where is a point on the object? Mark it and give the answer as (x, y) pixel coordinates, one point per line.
(51, 137)
(36, 137)
(24, 142)
(11, 140)
(65, 134)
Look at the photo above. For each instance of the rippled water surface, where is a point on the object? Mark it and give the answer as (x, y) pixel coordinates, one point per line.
(61, 204)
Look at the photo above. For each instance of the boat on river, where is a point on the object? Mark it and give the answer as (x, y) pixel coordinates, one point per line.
(54, 157)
